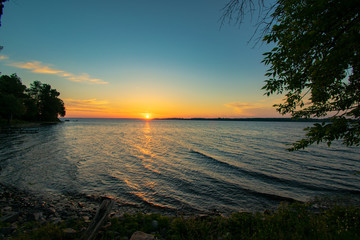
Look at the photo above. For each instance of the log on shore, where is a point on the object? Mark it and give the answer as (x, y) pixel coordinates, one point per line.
(100, 218)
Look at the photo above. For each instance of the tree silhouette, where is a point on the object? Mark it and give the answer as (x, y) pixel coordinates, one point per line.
(38, 103)
(46, 100)
(11, 97)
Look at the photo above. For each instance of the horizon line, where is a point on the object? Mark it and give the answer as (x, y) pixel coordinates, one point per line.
(212, 119)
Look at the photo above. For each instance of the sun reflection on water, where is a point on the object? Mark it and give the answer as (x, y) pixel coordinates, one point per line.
(146, 187)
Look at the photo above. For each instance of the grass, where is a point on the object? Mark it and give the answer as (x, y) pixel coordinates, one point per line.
(294, 221)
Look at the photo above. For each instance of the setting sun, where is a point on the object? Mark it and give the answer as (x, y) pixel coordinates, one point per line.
(147, 116)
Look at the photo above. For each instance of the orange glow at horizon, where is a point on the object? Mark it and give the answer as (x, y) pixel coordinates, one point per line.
(119, 108)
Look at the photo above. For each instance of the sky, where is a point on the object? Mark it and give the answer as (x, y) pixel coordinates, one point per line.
(132, 58)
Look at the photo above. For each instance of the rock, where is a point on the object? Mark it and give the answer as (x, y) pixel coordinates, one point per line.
(38, 216)
(141, 236)
(69, 231)
(51, 210)
(155, 224)
(107, 225)
(118, 216)
(14, 226)
(10, 217)
(56, 220)
(7, 209)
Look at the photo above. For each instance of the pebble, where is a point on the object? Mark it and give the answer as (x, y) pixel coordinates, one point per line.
(7, 209)
(38, 216)
(141, 236)
(55, 220)
(155, 224)
(69, 230)
(51, 210)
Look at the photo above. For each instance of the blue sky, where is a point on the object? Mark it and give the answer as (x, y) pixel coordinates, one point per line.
(130, 58)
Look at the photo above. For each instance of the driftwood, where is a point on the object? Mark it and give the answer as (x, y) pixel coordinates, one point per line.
(99, 219)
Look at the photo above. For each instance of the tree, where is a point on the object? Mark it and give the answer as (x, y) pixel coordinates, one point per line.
(315, 63)
(11, 97)
(38, 103)
(48, 106)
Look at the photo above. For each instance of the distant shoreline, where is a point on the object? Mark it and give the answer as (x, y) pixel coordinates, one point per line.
(210, 119)
(249, 119)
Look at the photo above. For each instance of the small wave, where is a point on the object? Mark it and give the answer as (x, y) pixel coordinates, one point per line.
(211, 158)
(266, 177)
(178, 205)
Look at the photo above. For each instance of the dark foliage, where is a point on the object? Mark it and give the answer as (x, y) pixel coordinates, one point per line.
(315, 64)
(38, 103)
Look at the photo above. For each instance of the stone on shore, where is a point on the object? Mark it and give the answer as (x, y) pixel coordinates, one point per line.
(141, 236)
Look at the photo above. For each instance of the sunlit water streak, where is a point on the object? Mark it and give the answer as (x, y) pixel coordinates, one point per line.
(189, 165)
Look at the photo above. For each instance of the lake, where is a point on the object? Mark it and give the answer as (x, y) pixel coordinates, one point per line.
(195, 166)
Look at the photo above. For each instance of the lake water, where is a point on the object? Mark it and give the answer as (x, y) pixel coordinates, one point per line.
(195, 166)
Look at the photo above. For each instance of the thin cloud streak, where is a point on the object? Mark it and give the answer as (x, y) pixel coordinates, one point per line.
(39, 67)
(94, 108)
(88, 105)
(263, 108)
(244, 108)
(36, 67)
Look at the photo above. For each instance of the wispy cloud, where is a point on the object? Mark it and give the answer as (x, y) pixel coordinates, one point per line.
(39, 67)
(36, 67)
(263, 108)
(83, 78)
(244, 107)
(86, 105)
(3, 57)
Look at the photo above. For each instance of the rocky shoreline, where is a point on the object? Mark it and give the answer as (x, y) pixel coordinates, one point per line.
(19, 207)
(22, 212)
(69, 216)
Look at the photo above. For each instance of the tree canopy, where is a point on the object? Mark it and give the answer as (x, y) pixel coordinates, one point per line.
(11, 96)
(38, 103)
(315, 63)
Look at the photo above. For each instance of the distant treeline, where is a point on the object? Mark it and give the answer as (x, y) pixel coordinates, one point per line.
(250, 119)
(38, 103)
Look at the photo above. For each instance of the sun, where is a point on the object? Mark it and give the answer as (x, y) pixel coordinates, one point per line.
(147, 116)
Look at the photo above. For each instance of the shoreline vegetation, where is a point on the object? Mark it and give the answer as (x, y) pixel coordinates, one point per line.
(38, 103)
(28, 216)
